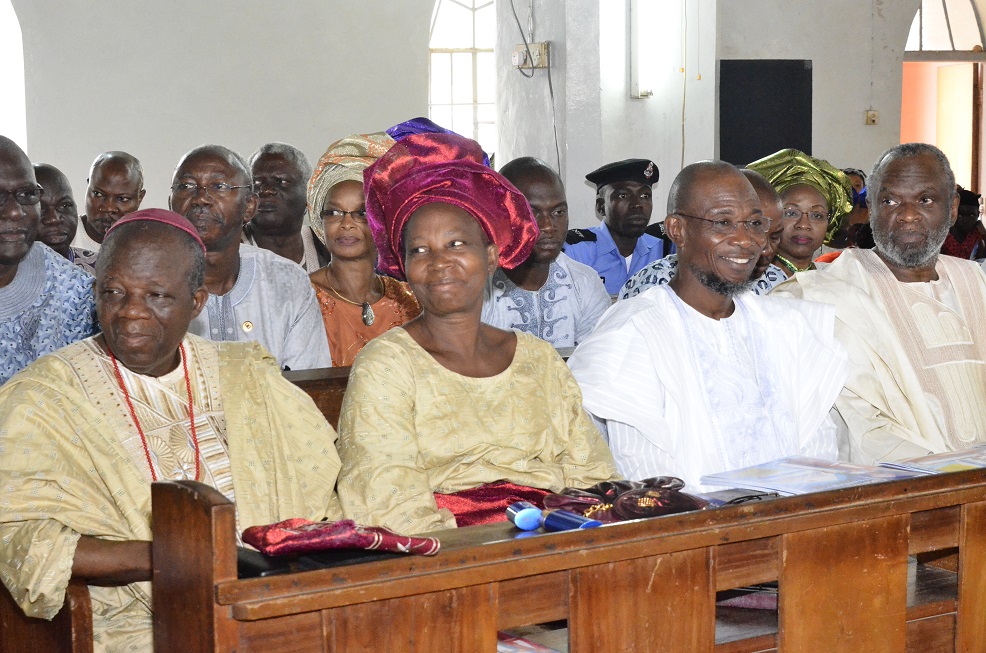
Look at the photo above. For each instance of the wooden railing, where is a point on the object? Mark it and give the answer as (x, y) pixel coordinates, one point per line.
(841, 559)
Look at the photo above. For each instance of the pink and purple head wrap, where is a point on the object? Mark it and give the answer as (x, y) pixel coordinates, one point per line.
(444, 168)
(423, 126)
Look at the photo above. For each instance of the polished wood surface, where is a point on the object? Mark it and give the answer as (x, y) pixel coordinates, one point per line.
(69, 632)
(840, 557)
(854, 575)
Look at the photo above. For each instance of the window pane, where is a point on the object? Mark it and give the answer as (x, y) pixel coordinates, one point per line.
(485, 77)
(441, 78)
(485, 26)
(441, 115)
(462, 120)
(486, 113)
(453, 26)
(487, 138)
(461, 77)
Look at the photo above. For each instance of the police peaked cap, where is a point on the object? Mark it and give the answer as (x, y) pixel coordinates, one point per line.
(643, 171)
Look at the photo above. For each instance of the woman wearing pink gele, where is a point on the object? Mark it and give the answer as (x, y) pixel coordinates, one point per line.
(447, 420)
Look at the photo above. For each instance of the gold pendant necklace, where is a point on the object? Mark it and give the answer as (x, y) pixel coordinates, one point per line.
(367, 313)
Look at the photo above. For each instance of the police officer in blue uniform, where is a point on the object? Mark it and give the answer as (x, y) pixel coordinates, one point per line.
(618, 248)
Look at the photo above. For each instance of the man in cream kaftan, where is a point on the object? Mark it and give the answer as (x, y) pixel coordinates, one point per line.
(918, 380)
(85, 430)
(914, 322)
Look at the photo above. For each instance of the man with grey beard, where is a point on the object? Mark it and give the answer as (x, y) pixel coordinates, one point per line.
(914, 322)
(701, 376)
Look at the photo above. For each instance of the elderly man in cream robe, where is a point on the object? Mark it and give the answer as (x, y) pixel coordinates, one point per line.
(914, 322)
(701, 376)
(85, 430)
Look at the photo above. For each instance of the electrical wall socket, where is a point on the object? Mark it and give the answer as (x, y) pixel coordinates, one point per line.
(539, 55)
(872, 117)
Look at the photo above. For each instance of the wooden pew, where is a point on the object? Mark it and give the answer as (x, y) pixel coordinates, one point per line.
(69, 632)
(326, 387)
(841, 559)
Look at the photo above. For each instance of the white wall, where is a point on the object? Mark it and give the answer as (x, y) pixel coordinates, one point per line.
(158, 78)
(597, 120)
(836, 36)
(13, 119)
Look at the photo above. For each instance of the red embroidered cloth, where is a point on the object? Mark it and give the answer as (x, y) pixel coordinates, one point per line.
(300, 536)
(488, 503)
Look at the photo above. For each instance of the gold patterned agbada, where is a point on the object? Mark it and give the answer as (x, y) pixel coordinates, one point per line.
(72, 463)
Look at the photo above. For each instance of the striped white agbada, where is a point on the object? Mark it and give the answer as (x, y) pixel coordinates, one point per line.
(678, 393)
(918, 379)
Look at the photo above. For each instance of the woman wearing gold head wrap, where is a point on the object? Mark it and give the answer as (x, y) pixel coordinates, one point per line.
(357, 304)
(816, 199)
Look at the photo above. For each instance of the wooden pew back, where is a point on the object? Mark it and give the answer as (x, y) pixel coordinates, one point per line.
(840, 558)
(69, 632)
(326, 387)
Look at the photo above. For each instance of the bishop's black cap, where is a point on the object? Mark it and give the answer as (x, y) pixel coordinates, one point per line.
(643, 171)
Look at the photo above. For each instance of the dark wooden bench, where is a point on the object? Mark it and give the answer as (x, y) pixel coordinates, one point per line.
(841, 560)
(326, 387)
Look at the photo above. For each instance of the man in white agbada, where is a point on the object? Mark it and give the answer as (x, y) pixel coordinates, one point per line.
(701, 376)
(765, 277)
(914, 322)
(549, 295)
(254, 294)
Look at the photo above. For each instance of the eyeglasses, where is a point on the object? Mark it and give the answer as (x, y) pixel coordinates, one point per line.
(335, 215)
(795, 214)
(218, 189)
(756, 226)
(751, 497)
(23, 196)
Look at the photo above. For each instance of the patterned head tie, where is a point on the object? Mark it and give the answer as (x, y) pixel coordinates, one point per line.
(444, 169)
(791, 167)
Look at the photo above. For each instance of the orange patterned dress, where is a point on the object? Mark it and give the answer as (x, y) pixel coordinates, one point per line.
(344, 321)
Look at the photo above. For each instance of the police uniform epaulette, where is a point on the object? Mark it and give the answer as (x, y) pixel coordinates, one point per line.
(575, 236)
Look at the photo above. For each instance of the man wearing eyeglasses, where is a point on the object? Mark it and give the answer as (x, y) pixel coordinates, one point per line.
(45, 301)
(765, 275)
(254, 294)
(701, 376)
(913, 321)
(280, 178)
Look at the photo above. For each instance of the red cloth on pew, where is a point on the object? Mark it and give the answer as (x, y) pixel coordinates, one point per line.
(488, 503)
(300, 536)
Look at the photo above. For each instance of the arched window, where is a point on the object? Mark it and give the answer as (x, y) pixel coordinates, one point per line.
(943, 25)
(13, 111)
(462, 94)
